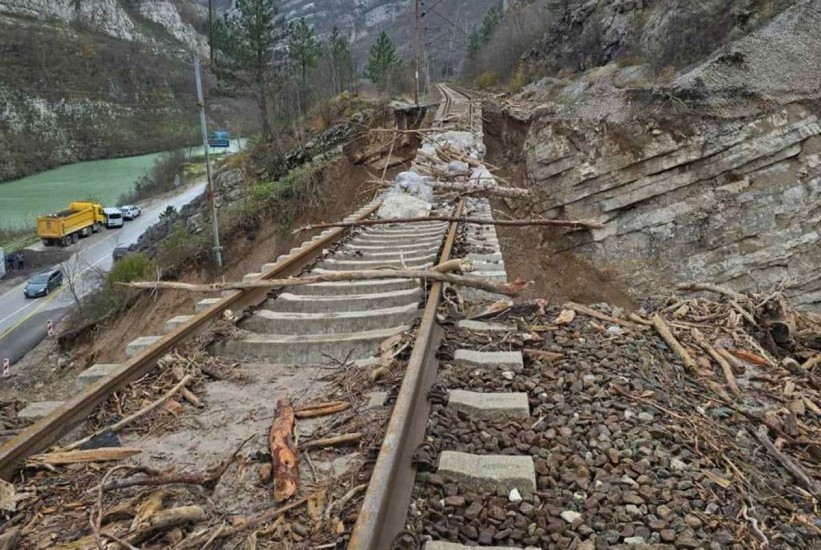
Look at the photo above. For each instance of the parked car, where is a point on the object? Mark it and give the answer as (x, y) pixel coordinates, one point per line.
(43, 283)
(130, 212)
(113, 217)
(123, 250)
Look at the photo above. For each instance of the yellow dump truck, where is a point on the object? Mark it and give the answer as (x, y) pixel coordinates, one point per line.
(65, 227)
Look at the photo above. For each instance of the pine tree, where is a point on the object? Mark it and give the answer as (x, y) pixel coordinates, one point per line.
(339, 56)
(244, 43)
(382, 62)
(304, 50)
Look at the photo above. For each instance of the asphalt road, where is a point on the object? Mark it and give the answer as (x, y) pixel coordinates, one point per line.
(23, 320)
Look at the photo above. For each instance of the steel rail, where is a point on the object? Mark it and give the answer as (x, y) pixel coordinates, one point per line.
(49, 429)
(385, 506)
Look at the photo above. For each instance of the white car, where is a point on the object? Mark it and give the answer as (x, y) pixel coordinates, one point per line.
(130, 212)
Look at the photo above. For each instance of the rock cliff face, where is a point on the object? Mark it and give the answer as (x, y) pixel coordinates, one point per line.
(715, 177)
(84, 79)
(120, 19)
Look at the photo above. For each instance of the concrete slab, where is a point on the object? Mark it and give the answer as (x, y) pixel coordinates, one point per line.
(306, 349)
(490, 405)
(137, 346)
(354, 302)
(176, 322)
(94, 373)
(485, 267)
(325, 267)
(354, 287)
(376, 400)
(202, 305)
(284, 322)
(393, 248)
(251, 277)
(488, 359)
(38, 409)
(489, 473)
(480, 326)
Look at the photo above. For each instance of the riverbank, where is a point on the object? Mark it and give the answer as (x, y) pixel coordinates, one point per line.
(103, 181)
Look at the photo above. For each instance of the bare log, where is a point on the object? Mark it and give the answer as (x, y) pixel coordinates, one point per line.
(664, 331)
(75, 457)
(283, 451)
(575, 224)
(797, 472)
(508, 289)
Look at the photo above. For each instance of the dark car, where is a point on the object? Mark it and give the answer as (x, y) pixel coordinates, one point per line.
(43, 283)
(123, 250)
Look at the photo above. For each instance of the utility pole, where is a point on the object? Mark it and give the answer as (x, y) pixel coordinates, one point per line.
(212, 195)
(211, 31)
(416, 48)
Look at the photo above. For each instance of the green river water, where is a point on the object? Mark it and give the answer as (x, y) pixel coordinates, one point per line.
(102, 180)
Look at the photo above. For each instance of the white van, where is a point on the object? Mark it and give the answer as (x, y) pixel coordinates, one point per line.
(113, 217)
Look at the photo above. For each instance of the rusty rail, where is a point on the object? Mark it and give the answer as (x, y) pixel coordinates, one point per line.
(50, 429)
(385, 506)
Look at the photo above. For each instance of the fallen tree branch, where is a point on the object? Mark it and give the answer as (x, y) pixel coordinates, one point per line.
(795, 369)
(335, 441)
(346, 498)
(114, 428)
(575, 224)
(241, 524)
(74, 457)
(207, 480)
(664, 331)
(508, 289)
(283, 451)
(697, 287)
(726, 368)
(800, 475)
(601, 316)
(168, 519)
(322, 409)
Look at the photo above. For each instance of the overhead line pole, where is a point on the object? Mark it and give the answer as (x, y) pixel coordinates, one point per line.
(212, 195)
(211, 31)
(416, 47)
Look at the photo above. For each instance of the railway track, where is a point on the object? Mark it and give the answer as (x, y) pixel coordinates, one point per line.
(285, 335)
